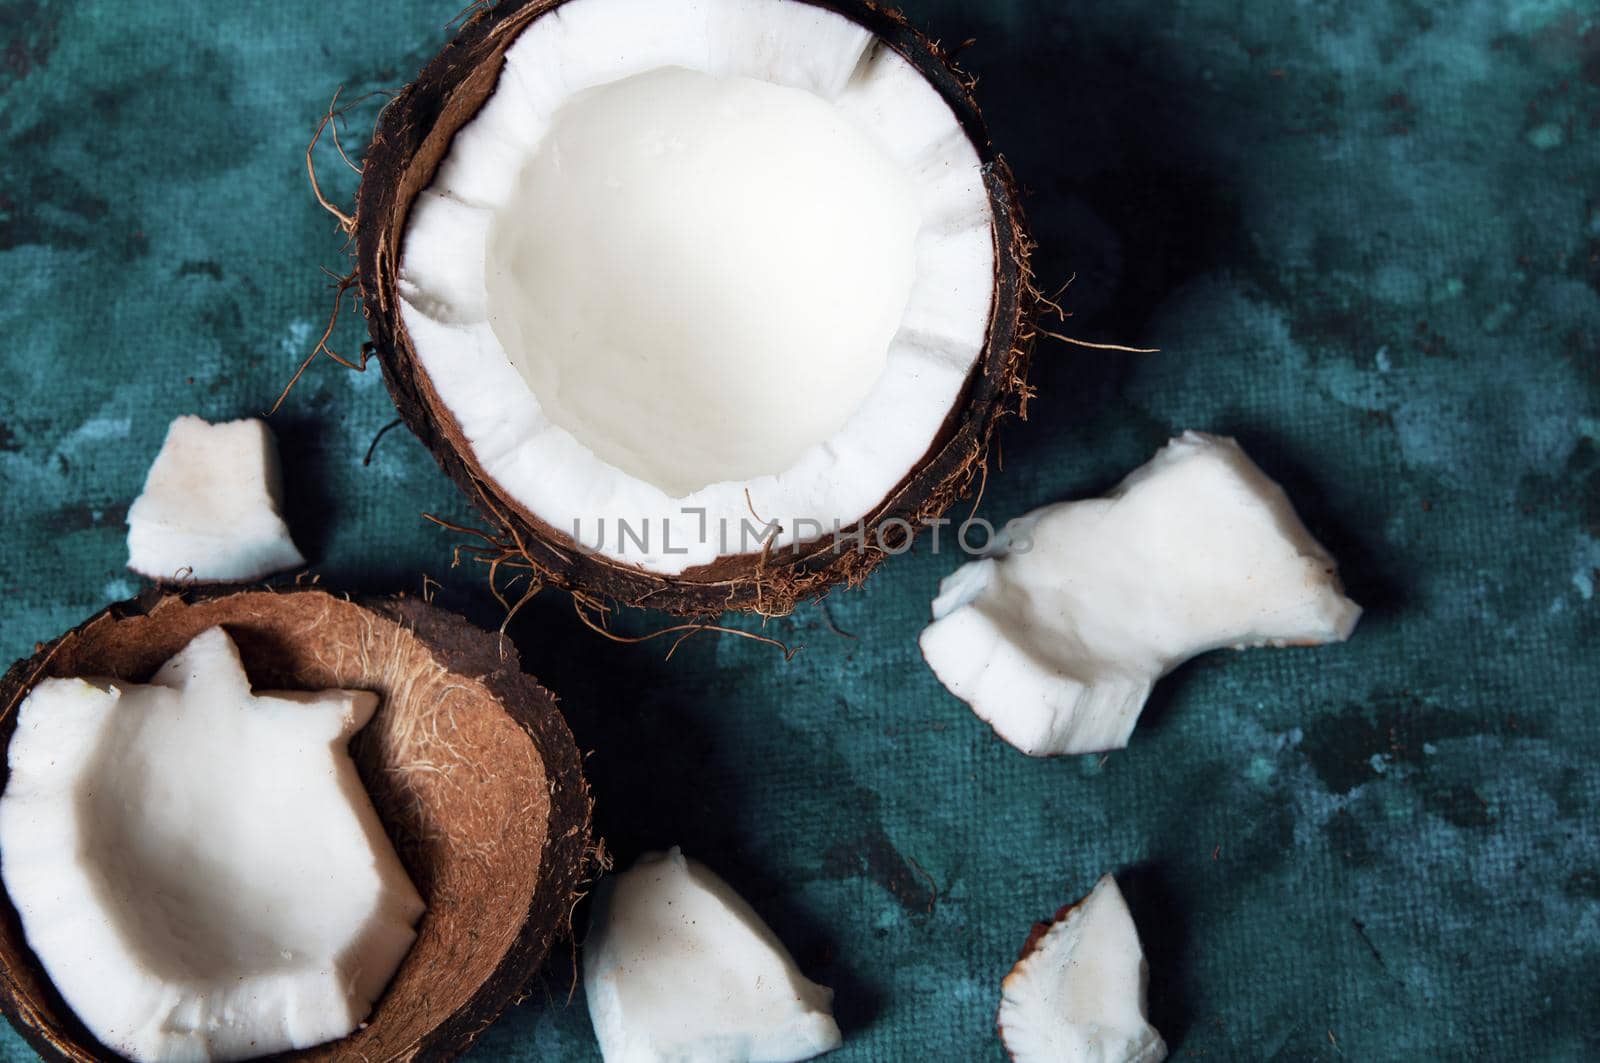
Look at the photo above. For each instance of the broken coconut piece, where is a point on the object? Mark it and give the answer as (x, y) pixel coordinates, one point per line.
(1057, 638)
(678, 967)
(640, 268)
(210, 508)
(499, 855)
(1077, 995)
(197, 867)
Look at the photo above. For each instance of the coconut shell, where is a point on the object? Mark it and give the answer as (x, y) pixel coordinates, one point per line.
(469, 763)
(413, 136)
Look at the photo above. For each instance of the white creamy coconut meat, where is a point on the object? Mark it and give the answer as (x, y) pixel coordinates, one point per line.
(677, 967)
(210, 507)
(197, 867)
(694, 248)
(1078, 993)
(1057, 640)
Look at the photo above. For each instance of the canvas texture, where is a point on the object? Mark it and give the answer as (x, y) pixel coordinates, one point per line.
(1365, 238)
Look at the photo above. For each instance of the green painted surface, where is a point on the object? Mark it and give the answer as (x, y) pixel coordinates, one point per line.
(1365, 236)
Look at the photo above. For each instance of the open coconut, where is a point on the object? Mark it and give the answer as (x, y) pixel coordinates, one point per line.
(498, 855)
(705, 304)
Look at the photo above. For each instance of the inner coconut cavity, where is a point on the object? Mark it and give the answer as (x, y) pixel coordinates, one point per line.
(687, 251)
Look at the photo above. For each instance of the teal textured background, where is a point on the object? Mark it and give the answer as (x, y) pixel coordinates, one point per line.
(1366, 237)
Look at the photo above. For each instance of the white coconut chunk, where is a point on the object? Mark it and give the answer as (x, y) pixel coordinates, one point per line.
(210, 510)
(678, 967)
(1078, 993)
(1057, 640)
(709, 224)
(197, 867)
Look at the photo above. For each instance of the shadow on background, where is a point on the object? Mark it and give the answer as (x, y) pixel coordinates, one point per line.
(1120, 193)
(309, 480)
(1164, 932)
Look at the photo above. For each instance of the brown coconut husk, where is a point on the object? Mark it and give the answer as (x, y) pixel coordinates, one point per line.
(412, 137)
(469, 763)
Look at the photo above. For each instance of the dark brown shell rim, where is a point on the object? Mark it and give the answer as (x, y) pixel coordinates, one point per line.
(463, 971)
(413, 136)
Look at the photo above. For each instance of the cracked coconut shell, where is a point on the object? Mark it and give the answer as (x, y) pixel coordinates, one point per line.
(498, 856)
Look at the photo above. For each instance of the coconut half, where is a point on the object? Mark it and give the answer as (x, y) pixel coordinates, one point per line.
(1057, 639)
(498, 856)
(211, 508)
(678, 291)
(197, 865)
(1077, 995)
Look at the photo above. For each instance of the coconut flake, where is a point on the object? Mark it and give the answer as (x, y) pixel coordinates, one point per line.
(678, 967)
(197, 867)
(738, 252)
(1077, 995)
(210, 510)
(1057, 640)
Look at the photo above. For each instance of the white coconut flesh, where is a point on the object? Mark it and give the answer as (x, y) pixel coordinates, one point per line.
(1078, 996)
(677, 966)
(196, 866)
(693, 248)
(210, 509)
(1057, 640)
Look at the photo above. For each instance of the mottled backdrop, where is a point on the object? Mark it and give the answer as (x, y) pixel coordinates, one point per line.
(1366, 238)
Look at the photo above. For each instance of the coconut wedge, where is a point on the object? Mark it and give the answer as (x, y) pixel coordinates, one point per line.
(1077, 995)
(678, 967)
(1057, 639)
(498, 856)
(706, 304)
(211, 507)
